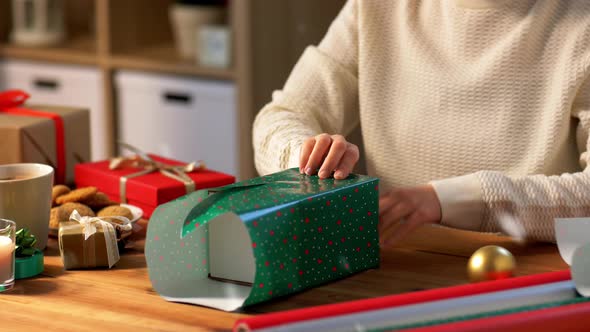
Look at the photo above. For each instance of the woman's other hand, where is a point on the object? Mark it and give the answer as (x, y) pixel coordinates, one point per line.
(402, 210)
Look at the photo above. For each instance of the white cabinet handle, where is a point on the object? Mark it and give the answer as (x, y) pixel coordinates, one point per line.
(177, 98)
(46, 84)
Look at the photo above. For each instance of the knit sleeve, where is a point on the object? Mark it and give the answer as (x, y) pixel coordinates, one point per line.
(320, 95)
(533, 201)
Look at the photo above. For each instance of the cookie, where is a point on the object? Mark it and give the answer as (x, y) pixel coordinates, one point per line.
(83, 210)
(99, 201)
(77, 195)
(57, 191)
(115, 211)
(56, 216)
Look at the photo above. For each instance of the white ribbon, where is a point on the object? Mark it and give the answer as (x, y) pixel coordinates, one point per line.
(110, 236)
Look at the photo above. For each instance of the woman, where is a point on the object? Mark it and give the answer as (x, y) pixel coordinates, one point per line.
(469, 109)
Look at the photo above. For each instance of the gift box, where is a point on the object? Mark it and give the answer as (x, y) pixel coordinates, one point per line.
(263, 238)
(146, 188)
(89, 242)
(56, 136)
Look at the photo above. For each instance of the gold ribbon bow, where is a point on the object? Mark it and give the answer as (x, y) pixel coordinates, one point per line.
(143, 160)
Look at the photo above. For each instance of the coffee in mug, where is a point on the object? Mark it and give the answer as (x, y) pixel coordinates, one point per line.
(25, 197)
(16, 177)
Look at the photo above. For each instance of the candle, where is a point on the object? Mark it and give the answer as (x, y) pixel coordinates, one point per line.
(6, 259)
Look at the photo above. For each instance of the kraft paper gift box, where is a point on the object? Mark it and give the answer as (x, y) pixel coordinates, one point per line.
(56, 136)
(146, 191)
(89, 242)
(263, 238)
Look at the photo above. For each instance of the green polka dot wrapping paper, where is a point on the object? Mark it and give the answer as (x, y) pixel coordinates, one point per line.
(263, 238)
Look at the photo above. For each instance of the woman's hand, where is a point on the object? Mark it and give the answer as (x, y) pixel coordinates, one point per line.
(327, 154)
(402, 210)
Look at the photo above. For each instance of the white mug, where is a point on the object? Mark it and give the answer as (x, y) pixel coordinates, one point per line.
(25, 197)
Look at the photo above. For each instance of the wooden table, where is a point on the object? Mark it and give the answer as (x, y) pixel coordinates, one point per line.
(122, 299)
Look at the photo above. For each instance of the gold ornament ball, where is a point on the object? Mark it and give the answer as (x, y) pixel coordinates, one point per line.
(490, 263)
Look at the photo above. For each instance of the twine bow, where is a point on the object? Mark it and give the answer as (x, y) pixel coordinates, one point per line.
(149, 165)
(110, 236)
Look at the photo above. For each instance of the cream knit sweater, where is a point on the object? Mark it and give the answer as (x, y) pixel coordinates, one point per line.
(485, 99)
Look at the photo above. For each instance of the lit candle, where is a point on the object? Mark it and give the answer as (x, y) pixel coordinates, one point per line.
(6, 259)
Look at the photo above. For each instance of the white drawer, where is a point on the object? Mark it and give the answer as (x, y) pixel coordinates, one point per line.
(179, 118)
(62, 85)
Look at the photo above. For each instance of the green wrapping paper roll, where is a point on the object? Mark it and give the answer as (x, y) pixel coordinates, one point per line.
(263, 238)
(26, 267)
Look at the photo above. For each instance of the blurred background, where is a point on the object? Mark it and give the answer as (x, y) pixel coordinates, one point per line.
(182, 79)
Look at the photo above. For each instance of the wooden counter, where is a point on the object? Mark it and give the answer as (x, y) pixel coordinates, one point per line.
(122, 299)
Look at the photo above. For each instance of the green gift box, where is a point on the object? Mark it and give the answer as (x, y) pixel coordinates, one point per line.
(263, 238)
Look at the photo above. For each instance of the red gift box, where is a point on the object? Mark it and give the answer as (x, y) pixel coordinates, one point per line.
(145, 191)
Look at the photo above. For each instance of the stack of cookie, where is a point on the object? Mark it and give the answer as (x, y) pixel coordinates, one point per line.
(88, 201)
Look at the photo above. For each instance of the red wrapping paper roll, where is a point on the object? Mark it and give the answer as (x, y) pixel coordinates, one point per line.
(331, 310)
(570, 318)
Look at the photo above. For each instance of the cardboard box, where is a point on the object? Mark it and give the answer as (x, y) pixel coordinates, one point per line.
(79, 253)
(28, 138)
(146, 191)
(263, 238)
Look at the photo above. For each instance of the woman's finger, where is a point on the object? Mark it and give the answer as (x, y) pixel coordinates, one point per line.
(386, 232)
(349, 159)
(397, 212)
(337, 149)
(305, 152)
(385, 202)
(320, 149)
(408, 226)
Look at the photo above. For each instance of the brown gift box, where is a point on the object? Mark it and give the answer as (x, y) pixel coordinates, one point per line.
(29, 139)
(77, 253)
